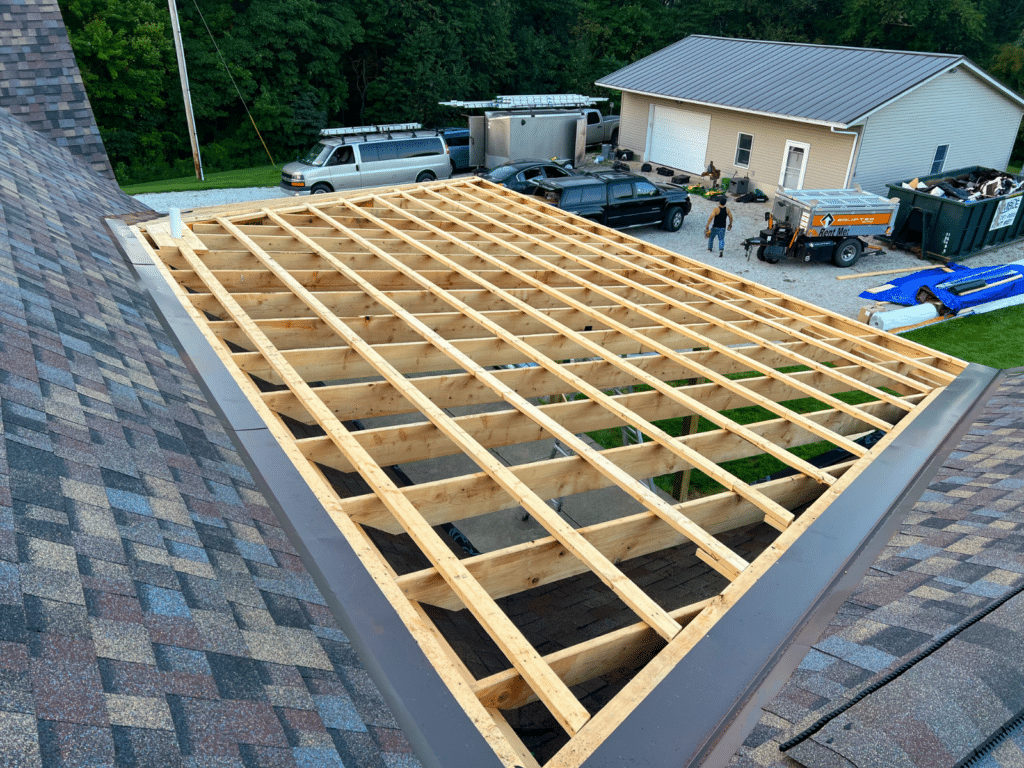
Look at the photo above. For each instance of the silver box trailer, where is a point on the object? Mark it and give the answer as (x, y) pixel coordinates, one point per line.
(835, 212)
(501, 136)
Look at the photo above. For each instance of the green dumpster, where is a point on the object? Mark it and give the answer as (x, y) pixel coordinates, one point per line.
(948, 229)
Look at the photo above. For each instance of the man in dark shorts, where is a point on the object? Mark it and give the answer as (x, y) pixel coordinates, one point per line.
(716, 226)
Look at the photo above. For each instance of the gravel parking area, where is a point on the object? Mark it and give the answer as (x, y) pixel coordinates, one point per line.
(162, 202)
(814, 282)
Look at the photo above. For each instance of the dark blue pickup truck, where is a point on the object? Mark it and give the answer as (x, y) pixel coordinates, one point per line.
(617, 199)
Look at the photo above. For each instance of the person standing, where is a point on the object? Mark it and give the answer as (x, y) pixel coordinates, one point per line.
(716, 226)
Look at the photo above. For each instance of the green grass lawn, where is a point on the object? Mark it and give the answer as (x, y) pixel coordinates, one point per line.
(263, 176)
(991, 339)
(749, 469)
(995, 339)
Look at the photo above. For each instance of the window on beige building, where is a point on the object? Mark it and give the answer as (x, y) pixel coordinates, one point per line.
(744, 142)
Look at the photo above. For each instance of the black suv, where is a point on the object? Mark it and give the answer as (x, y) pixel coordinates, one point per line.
(617, 199)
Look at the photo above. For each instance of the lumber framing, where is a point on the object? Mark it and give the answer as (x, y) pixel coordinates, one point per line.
(455, 319)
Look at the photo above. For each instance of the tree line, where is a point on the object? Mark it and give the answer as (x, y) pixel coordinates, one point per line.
(291, 67)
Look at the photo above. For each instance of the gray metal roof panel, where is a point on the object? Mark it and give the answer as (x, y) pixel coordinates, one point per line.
(810, 82)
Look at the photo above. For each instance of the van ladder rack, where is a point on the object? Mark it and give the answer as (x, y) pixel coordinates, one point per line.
(537, 101)
(363, 129)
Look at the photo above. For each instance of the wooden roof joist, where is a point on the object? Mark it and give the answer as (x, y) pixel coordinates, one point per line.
(261, 305)
(454, 321)
(368, 399)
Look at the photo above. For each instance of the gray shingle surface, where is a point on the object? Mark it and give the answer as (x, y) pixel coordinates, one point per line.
(152, 610)
(41, 83)
(811, 82)
(960, 548)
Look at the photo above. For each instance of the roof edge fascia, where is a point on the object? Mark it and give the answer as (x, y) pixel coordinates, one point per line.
(721, 684)
(962, 62)
(439, 730)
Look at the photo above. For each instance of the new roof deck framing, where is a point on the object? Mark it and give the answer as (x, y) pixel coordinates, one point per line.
(404, 303)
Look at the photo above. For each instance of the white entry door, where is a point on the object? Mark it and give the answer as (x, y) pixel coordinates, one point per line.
(678, 139)
(794, 163)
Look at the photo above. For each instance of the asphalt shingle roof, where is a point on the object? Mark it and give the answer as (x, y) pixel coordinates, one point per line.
(41, 83)
(152, 610)
(821, 83)
(959, 549)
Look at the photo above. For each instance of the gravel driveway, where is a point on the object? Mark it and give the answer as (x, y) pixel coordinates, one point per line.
(814, 282)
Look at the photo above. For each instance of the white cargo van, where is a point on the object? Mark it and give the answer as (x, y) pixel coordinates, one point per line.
(368, 156)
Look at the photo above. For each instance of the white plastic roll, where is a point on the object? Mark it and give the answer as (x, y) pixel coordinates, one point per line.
(175, 223)
(900, 318)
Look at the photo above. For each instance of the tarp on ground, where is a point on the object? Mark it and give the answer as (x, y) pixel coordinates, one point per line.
(996, 282)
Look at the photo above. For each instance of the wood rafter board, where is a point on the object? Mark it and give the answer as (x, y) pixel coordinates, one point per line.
(405, 303)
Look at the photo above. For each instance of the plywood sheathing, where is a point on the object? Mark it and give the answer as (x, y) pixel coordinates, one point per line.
(405, 303)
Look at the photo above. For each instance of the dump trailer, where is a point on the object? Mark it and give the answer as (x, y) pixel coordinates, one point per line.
(823, 225)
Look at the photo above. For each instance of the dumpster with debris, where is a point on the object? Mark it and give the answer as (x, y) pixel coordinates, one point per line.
(823, 225)
(959, 213)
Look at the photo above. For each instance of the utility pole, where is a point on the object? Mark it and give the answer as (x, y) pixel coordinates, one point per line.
(186, 94)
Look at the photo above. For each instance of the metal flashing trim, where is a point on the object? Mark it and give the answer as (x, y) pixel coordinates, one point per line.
(435, 724)
(718, 688)
(742, 110)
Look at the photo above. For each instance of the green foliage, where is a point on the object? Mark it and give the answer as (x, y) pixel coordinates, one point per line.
(123, 48)
(294, 66)
(942, 26)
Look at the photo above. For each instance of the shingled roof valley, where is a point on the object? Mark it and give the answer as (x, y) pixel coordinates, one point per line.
(152, 610)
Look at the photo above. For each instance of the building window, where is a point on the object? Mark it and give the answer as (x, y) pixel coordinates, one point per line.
(940, 158)
(743, 145)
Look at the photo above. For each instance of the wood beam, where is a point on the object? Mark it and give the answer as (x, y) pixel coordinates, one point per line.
(536, 563)
(409, 442)
(555, 695)
(454, 499)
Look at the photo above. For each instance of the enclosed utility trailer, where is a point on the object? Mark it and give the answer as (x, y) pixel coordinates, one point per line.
(823, 225)
(558, 126)
(507, 136)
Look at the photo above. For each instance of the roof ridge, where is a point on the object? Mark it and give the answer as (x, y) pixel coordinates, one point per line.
(826, 45)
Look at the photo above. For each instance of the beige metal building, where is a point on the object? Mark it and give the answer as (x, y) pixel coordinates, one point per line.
(813, 116)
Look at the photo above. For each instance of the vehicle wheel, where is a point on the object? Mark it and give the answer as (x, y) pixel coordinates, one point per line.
(425, 176)
(320, 189)
(673, 219)
(760, 253)
(454, 169)
(615, 137)
(847, 252)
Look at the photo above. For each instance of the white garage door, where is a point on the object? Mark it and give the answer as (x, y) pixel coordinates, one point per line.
(679, 139)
